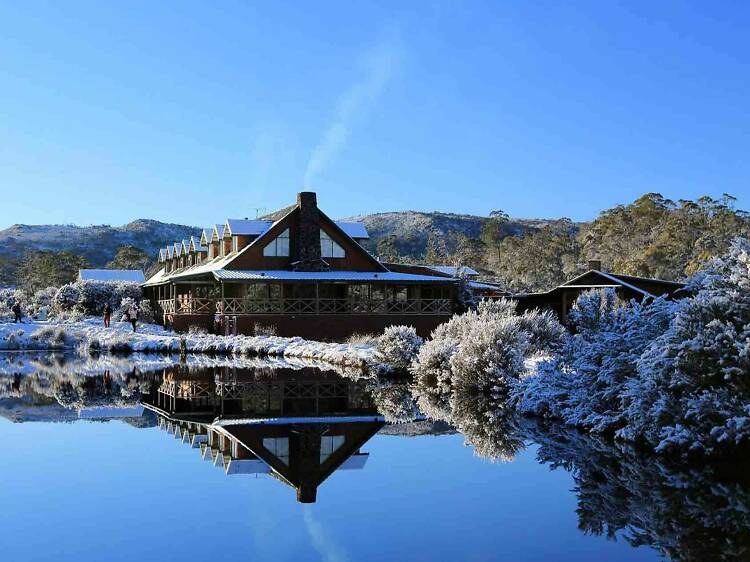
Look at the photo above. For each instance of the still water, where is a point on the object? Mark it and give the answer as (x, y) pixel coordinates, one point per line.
(151, 458)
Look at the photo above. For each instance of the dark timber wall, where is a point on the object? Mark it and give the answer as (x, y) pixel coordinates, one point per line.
(317, 327)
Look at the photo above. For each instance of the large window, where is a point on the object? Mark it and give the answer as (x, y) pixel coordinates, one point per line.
(279, 246)
(329, 248)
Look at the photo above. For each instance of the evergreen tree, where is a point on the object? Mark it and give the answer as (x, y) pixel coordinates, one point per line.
(129, 257)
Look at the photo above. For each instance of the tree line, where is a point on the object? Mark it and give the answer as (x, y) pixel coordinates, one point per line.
(39, 269)
(650, 237)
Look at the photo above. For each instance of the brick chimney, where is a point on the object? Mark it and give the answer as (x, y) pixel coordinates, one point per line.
(308, 234)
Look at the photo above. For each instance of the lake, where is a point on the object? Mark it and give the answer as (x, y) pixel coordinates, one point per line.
(157, 458)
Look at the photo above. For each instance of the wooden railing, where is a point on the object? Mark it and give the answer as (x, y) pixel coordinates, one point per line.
(240, 306)
(333, 306)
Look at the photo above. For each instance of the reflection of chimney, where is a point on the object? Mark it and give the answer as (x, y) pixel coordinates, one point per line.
(595, 264)
(307, 493)
(308, 236)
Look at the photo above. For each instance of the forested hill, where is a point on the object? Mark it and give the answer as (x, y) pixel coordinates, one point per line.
(97, 245)
(413, 232)
(652, 236)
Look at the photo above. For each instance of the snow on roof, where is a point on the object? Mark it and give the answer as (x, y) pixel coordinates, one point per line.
(158, 277)
(452, 269)
(490, 286)
(132, 275)
(296, 420)
(354, 229)
(284, 275)
(245, 227)
(195, 245)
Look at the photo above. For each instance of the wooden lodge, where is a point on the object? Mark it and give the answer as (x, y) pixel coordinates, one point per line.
(628, 287)
(303, 274)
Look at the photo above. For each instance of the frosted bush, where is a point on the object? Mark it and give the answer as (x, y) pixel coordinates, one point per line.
(42, 300)
(66, 299)
(692, 391)
(490, 356)
(583, 386)
(50, 337)
(483, 349)
(398, 346)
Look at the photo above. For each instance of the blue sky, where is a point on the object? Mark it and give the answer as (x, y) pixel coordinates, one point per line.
(194, 111)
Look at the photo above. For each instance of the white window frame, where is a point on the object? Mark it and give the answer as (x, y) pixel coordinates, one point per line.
(329, 248)
(278, 247)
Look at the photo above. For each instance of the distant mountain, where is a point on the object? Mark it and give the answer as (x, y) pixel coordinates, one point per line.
(98, 244)
(412, 228)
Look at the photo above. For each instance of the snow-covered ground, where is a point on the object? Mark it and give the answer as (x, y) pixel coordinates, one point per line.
(90, 335)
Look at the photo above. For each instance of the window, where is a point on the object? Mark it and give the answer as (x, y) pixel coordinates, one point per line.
(279, 246)
(329, 444)
(329, 248)
(235, 244)
(279, 447)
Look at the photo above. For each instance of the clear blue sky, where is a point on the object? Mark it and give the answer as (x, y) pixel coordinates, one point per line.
(194, 111)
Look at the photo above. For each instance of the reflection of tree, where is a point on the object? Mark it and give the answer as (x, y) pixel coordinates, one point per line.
(394, 401)
(487, 423)
(688, 514)
(72, 390)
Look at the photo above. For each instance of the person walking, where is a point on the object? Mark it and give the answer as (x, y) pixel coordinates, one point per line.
(107, 314)
(133, 315)
(16, 308)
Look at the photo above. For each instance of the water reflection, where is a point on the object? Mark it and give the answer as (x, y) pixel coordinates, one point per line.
(299, 424)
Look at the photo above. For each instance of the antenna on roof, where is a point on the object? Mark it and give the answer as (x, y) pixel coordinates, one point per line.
(259, 211)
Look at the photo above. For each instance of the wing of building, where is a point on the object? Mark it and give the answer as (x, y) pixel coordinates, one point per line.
(628, 287)
(301, 273)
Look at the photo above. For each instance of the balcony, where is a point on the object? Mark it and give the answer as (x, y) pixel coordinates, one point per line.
(249, 306)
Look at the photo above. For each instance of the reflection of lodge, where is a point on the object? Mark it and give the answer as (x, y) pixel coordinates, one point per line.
(297, 426)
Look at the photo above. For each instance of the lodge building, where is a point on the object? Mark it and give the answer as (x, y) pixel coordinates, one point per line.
(303, 273)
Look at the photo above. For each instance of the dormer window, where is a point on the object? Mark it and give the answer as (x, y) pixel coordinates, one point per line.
(279, 246)
(329, 248)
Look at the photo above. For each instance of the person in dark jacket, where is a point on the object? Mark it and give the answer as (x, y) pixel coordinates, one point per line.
(16, 308)
(107, 314)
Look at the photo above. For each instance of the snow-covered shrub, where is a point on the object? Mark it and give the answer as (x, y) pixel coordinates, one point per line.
(398, 346)
(361, 339)
(14, 340)
(42, 301)
(90, 297)
(8, 298)
(66, 299)
(546, 334)
(692, 390)
(583, 386)
(490, 356)
(68, 316)
(51, 337)
(483, 349)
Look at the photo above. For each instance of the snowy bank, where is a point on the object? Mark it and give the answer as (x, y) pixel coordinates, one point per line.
(91, 336)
